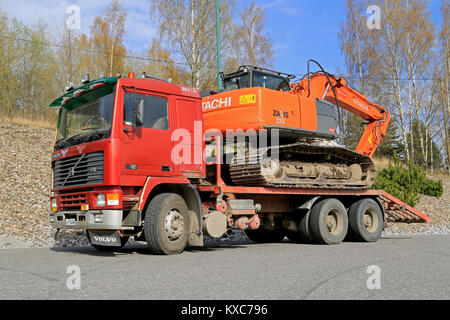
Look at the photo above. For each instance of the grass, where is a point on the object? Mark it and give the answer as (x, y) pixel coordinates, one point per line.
(381, 163)
(30, 120)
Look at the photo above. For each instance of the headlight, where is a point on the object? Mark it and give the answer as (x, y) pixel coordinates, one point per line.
(54, 205)
(98, 218)
(101, 202)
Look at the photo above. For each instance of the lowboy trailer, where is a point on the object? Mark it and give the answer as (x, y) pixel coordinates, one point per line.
(117, 174)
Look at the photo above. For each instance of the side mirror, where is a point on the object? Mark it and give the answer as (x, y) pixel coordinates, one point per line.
(139, 114)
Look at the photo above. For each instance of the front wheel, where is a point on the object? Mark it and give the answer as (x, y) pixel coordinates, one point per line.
(166, 224)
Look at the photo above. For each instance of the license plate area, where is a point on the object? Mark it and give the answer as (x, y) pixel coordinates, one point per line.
(71, 222)
(105, 238)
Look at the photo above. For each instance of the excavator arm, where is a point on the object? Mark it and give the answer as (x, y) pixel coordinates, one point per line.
(322, 85)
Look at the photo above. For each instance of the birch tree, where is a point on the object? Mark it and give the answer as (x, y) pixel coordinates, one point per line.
(189, 27)
(419, 49)
(251, 44)
(106, 39)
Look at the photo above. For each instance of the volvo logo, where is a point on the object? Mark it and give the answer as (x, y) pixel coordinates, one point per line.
(64, 152)
(81, 147)
(71, 171)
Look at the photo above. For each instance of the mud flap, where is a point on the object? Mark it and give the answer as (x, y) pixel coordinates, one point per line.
(105, 238)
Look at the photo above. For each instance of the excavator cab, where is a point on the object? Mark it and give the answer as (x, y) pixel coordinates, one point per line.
(249, 76)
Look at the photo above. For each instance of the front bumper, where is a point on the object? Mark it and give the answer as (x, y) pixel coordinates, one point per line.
(86, 220)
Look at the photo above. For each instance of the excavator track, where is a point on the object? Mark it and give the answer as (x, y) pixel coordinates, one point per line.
(303, 165)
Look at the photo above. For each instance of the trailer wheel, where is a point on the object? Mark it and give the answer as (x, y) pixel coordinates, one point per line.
(365, 220)
(304, 228)
(123, 242)
(328, 221)
(166, 224)
(265, 236)
(303, 234)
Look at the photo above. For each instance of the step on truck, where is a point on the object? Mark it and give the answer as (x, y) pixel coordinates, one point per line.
(168, 165)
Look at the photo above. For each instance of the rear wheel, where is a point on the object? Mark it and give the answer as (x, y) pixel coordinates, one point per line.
(365, 220)
(303, 235)
(265, 236)
(328, 221)
(166, 224)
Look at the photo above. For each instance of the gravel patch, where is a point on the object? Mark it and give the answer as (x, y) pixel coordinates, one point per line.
(25, 183)
(438, 209)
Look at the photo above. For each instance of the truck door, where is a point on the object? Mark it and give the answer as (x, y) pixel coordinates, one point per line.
(147, 151)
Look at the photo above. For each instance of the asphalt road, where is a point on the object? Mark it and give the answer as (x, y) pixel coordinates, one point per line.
(413, 267)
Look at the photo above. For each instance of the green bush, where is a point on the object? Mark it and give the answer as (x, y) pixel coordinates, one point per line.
(406, 183)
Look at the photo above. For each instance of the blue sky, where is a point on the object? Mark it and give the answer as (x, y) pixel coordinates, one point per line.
(300, 29)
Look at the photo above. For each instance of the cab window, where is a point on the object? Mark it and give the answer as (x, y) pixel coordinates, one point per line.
(155, 111)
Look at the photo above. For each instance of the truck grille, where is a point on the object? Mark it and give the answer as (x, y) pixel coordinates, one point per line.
(73, 201)
(85, 169)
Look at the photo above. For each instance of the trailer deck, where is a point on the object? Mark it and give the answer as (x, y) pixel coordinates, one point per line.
(395, 209)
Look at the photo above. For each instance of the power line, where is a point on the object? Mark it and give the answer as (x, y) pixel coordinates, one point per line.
(91, 51)
(50, 44)
(374, 78)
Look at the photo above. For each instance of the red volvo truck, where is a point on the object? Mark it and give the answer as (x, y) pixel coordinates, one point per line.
(129, 161)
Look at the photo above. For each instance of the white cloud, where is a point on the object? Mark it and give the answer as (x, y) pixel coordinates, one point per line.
(273, 4)
(291, 11)
(139, 29)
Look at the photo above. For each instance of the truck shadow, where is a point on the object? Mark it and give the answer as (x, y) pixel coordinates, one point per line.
(141, 249)
(213, 246)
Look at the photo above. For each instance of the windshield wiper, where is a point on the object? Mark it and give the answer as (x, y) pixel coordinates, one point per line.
(93, 128)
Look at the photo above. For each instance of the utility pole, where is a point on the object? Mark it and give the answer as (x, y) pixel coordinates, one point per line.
(219, 64)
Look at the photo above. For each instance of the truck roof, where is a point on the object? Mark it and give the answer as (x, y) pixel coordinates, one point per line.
(151, 84)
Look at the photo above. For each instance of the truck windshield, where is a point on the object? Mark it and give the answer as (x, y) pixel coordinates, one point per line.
(88, 122)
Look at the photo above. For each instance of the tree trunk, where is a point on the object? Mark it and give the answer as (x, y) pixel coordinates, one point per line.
(392, 53)
(416, 109)
(445, 138)
(411, 129)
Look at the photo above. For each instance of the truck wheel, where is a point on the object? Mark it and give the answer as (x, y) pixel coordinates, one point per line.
(303, 235)
(265, 236)
(304, 229)
(166, 224)
(123, 242)
(328, 221)
(365, 220)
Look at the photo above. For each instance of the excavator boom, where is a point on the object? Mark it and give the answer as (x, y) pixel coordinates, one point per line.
(325, 86)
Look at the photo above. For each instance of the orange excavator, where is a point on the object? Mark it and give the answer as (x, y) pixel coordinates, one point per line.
(304, 118)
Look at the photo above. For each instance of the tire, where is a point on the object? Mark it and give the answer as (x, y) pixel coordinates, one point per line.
(328, 221)
(166, 224)
(365, 220)
(123, 242)
(261, 235)
(305, 229)
(303, 234)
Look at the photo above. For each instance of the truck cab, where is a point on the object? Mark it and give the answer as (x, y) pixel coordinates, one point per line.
(115, 138)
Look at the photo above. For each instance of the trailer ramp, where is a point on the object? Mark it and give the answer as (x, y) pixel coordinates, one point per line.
(398, 211)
